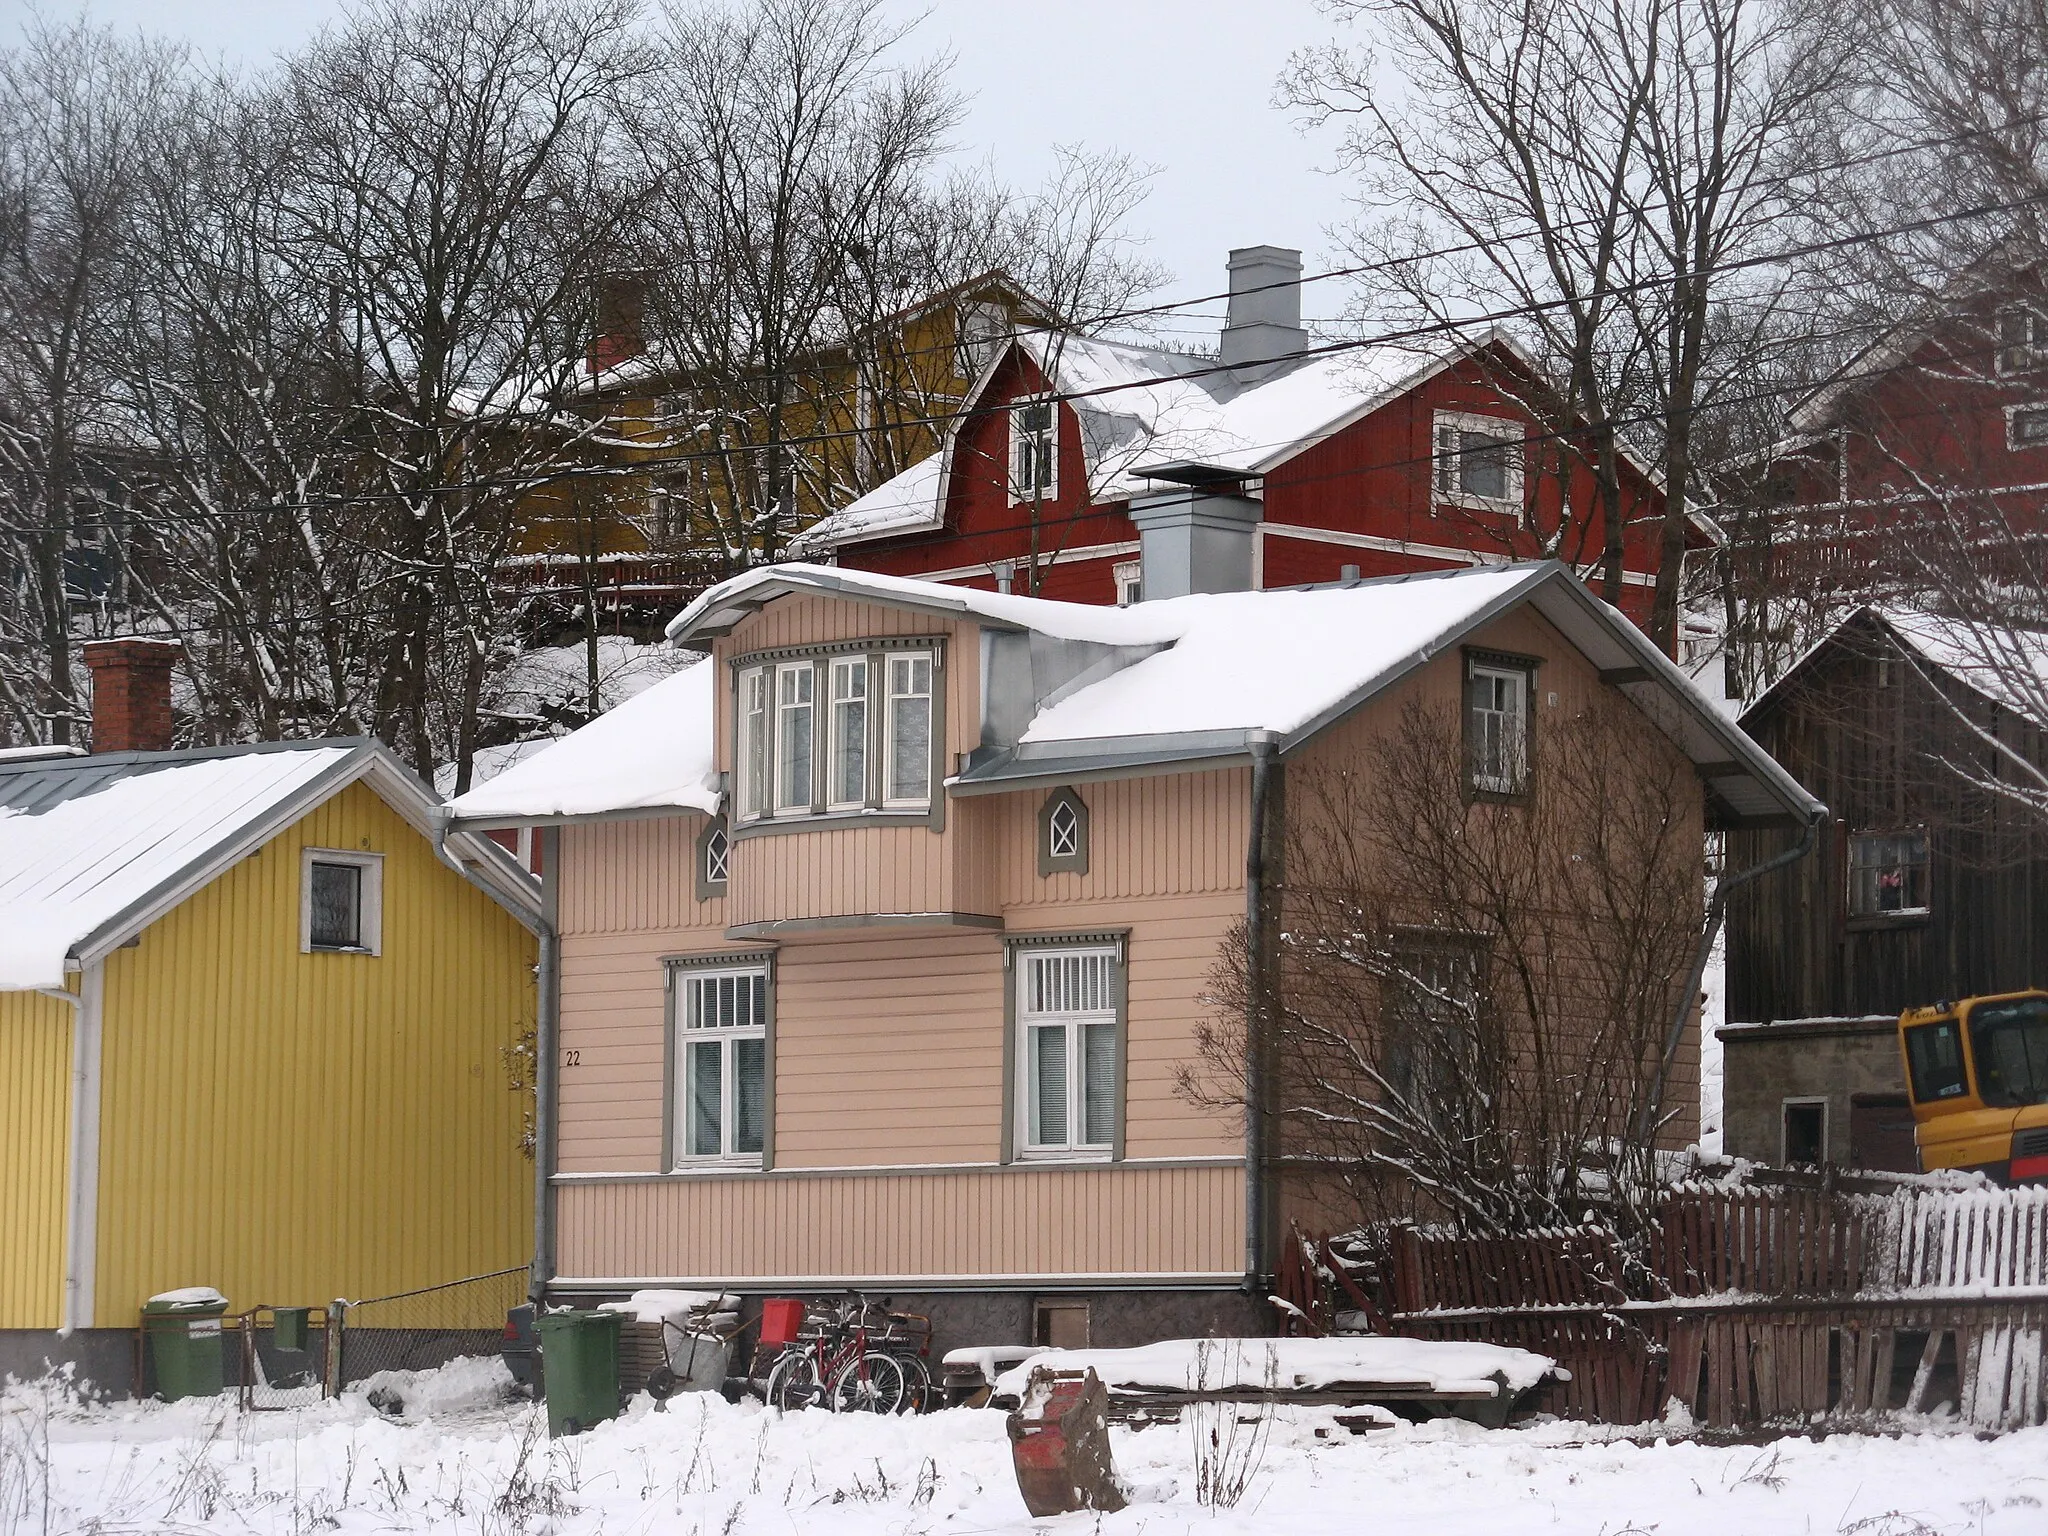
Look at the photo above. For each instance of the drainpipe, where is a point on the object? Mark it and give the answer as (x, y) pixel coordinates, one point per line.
(546, 1005)
(1717, 908)
(82, 1170)
(1255, 1115)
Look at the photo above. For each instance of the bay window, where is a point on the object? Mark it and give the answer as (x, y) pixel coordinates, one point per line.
(852, 730)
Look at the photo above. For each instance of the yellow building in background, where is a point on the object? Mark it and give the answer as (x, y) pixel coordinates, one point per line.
(260, 1030)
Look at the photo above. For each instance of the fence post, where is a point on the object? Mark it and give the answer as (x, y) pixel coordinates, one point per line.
(337, 1324)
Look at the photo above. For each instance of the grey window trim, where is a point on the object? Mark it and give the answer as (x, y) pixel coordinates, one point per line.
(732, 959)
(1475, 657)
(1075, 863)
(1115, 939)
(707, 888)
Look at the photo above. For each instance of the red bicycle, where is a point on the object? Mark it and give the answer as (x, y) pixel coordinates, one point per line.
(851, 1359)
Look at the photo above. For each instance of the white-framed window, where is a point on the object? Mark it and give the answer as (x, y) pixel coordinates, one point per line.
(1497, 726)
(1063, 834)
(714, 860)
(1034, 449)
(1804, 1123)
(1128, 588)
(848, 732)
(909, 730)
(721, 1064)
(847, 782)
(341, 901)
(795, 735)
(1479, 460)
(2026, 426)
(2022, 338)
(756, 731)
(1067, 1050)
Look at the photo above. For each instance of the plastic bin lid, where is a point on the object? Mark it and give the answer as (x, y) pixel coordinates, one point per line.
(191, 1298)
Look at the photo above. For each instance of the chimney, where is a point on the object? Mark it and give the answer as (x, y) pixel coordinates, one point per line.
(131, 693)
(1195, 539)
(1264, 325)
(621, 321)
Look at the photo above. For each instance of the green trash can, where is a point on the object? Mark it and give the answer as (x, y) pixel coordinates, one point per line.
(183, 1330)
(579, 1359)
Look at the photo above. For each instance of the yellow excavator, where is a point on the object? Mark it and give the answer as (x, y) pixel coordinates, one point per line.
(1977, 1075)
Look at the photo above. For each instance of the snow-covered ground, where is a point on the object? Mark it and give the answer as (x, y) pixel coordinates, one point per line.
(463, 1459)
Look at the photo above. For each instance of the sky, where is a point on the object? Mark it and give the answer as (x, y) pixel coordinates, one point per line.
(1182, 85)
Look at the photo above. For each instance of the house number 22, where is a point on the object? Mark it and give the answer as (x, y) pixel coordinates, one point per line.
(572, 1059)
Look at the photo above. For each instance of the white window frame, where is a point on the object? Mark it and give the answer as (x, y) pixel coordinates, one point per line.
(1129, 583)
(805, 675)
(844, 666)
(1803, 1101)
(1022, 491)
(754, 734)
(1075, 1023)
(2020, 356)
(369, 900)
(1455, 494)
(717, 855)
(682, 980)
(1516, 782)
(2013, 413)
(886, 786)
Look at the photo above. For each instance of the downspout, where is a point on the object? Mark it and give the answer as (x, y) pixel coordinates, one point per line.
(1717, 908)
(82, 1169)
(1255, 1114)
(546, 1003)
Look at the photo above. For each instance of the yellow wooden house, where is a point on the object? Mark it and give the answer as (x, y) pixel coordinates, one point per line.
(261, 1025)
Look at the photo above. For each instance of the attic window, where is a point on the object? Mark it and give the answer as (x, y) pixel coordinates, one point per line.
(1479, 460)
(2022, 339)
(1888, 874)
(1034, 450)
(714, 860)
(341, 902)
(1498, 693)
(1063, 834)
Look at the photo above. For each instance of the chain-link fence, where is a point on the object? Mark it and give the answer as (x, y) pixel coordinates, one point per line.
(416, 1330)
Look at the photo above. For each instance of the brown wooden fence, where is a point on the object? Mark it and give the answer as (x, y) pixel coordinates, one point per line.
(1753, 1307)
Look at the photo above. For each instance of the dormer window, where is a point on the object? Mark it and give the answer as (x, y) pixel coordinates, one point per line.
(1479, 461)
(1034, 450)
(848, 730)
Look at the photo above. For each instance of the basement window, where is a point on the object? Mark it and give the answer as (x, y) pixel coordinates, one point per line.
(341, 898)
(1806, 1132)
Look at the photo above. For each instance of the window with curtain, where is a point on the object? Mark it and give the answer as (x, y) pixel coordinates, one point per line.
(1497, 728)
(849, 773)
(721, 1078)
(910, 730)
(845, 731)
(1067, 1047)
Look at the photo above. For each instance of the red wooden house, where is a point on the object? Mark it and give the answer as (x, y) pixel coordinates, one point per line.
(1930, 444)
(1094, 471)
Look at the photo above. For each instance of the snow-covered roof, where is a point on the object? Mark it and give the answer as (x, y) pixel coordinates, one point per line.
(1141, 407)
(655, 751)
(2006, 664)
(1185, 680)
(94, 848)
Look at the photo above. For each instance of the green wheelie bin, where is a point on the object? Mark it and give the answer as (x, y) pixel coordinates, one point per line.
(183, 1330)
(579, 1360)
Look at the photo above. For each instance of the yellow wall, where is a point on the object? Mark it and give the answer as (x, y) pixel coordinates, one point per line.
(35, 1132)
(293, 1127)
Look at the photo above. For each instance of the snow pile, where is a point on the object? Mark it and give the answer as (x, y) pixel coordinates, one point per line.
(84, 841)
(704, 1465)
(663, 1306)
(1296, 1365)
(462, 1386)
(653, 750)
(191, 1296)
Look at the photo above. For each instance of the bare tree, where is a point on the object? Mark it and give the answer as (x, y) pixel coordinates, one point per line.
(1468, 1002)
(80, 111)
(1596, 171)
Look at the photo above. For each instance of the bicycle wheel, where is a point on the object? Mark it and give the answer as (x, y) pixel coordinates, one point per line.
(919, 1398)
(870, 1383)
(793, 1382)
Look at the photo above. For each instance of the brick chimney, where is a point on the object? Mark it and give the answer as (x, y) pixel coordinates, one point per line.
(131, 693)
(621, 321)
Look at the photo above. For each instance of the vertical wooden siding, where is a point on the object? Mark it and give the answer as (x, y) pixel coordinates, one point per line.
(291, 1127)
(35, 1132)
(889, 1049)
(628, 896)
(843, 871)
(1010, 1222)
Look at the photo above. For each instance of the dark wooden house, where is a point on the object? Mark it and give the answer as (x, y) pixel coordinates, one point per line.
(1926, 881)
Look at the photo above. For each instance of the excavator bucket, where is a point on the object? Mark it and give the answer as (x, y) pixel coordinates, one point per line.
(1059, 1440)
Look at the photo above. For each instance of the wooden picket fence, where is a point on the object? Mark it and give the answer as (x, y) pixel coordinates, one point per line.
(1760, 1306)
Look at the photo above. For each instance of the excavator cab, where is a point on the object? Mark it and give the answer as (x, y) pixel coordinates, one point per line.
(1977, 1076)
